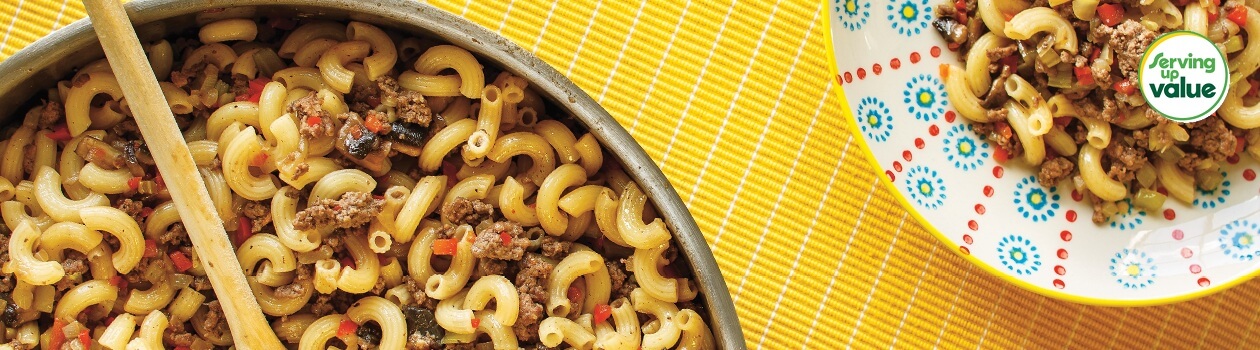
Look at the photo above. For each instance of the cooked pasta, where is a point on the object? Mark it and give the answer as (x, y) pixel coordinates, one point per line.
(1055, 85)
(362, 218)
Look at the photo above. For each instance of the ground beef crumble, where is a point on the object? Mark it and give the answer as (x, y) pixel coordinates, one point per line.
(423, 341)
(491, 245)
(554, 248)
(133, 208)
(214, 318)
(353, 209)
(622, 284)
(487, 267)
(1053, 171)
(1129, 41)
(52, 113)
(466, 211)
(412, 108)
(259, 214)
(314, 122)
(1125, 160)
(175, 235)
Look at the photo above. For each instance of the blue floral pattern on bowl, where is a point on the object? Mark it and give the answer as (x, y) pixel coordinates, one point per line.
(1211, 199)
(1133, 269)
(1238, 240)
(875, 119)
(926, 187)
(853, 13)
(1129, 219)
(925, 97)
(910, 17)
(1033, 201)
(964, 149)
(1019, 255)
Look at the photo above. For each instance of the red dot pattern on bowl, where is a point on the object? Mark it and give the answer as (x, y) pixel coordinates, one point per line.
(878, 69)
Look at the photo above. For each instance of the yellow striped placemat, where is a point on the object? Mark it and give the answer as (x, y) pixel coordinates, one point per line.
(735, 103)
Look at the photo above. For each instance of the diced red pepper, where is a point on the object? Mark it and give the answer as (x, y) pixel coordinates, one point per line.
(1010, 61)
(602, 311)
(1125, 87)
(1093, 55)
(182, 348)
(120, 282)
(1000, 155)
(1241, 144)
(1084, 76)
(256, 87)
(150, 248)
(960, 5)
(313, 120)
(1004, 129)
(145, 212)
(1213, 15)
(182, 263)
(347, 327)
(158, 179)
(57, 335)
(259, 159)
(447, 246)
(85, 337)
(506, 237)
(1238, 15)
(60, 133)
(373, 124)
(97, 153)
(373, 101)
(346, 261)
(1111, 14)
(450, 170)
(575, 295)
(476, 322)
(134, 183)
(244, 229)
(1255, 87)
(944, 68)
(1062, 121)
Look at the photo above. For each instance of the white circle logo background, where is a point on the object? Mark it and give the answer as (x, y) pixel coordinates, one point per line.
(1178, 58)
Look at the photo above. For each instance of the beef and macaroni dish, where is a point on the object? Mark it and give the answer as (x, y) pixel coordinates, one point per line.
(381, 190)
(1055, 83)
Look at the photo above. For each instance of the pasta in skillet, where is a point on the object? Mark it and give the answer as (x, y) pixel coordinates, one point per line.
(1054, 84)
(381, 191)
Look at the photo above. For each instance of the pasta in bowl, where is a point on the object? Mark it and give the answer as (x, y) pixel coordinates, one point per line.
(1018, 133)
(388, 180)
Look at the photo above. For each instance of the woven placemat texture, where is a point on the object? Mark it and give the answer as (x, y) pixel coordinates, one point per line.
(735, 103)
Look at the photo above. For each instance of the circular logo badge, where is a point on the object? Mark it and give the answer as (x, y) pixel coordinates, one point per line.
(1183, 76)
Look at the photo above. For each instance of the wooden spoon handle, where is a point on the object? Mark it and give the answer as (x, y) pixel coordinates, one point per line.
(205, 229)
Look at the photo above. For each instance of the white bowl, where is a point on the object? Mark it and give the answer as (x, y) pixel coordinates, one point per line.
(996, 215)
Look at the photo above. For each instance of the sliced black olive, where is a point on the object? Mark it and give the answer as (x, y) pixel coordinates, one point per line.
(362, 146)
(950, 29)
(358, 140)
(421, 320)
(408, 133)
(369, 333)
(10, 314)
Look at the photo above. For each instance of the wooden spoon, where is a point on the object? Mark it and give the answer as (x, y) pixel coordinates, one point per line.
(205, 229)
